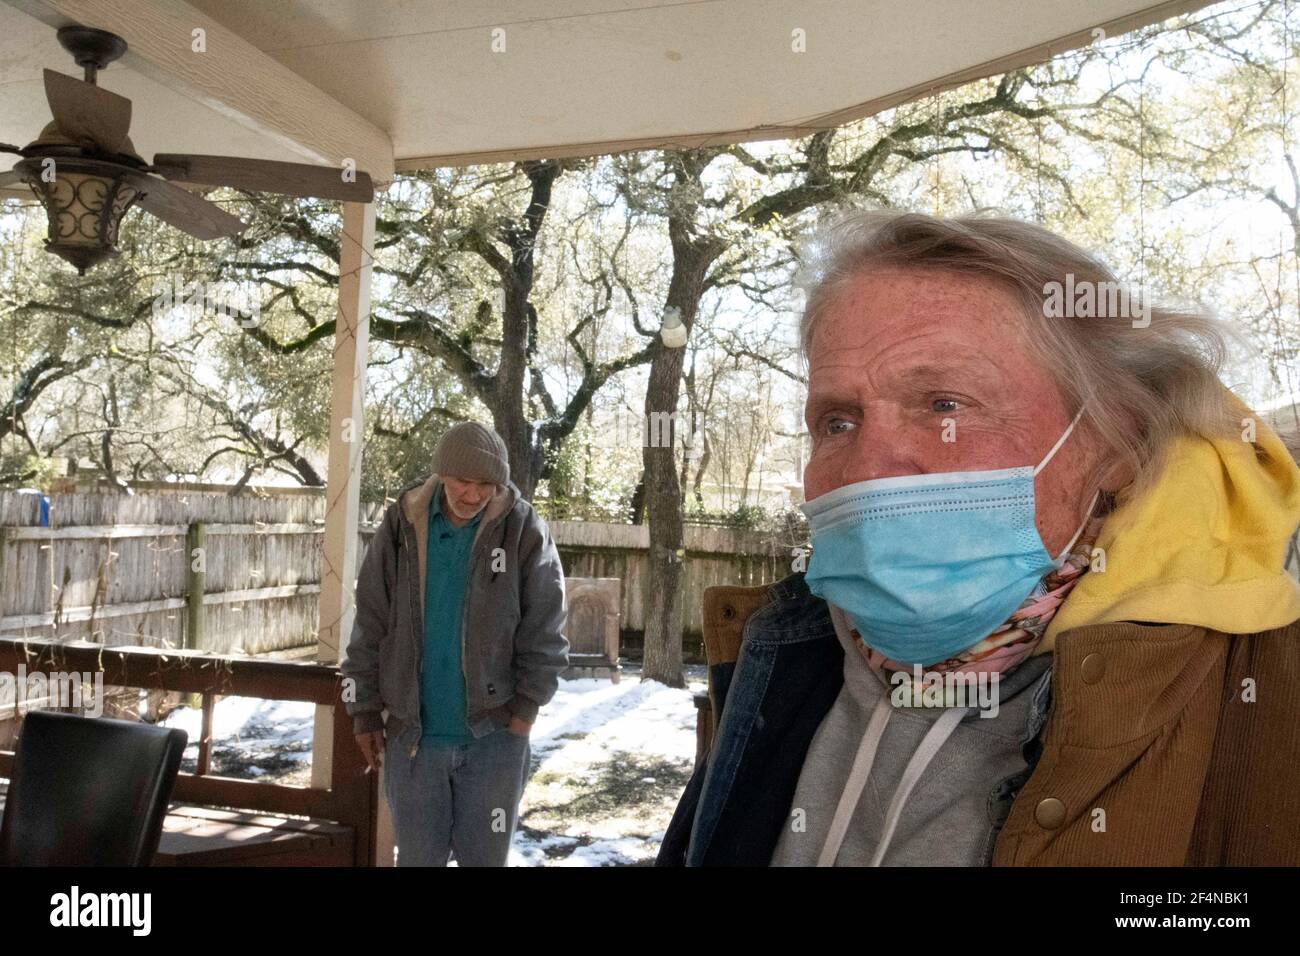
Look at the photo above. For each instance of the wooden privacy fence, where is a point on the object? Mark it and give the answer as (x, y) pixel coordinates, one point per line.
(207, 571)
(194, 570)
(712, 556)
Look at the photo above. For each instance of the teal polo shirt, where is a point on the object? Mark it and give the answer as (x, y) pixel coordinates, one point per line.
(442, 696)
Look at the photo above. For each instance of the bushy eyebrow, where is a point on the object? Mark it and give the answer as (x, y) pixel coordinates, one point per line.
(938, 374)
(931, 374)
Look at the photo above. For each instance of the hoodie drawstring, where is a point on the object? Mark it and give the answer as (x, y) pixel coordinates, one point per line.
(934, 739)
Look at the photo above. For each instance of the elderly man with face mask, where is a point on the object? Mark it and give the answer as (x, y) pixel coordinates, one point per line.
(459, 639)
(1019, 482)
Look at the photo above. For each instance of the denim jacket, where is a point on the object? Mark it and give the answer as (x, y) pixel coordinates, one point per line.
(770, 703)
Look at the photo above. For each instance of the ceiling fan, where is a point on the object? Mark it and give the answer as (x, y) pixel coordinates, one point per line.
(85, 171)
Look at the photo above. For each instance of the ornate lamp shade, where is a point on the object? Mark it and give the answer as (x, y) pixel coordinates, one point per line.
(84, 202)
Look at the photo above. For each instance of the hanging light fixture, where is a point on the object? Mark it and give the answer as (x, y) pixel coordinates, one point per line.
(84, 202)
(87, 174)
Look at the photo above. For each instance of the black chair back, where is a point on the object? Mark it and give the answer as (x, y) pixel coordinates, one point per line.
(88, 791)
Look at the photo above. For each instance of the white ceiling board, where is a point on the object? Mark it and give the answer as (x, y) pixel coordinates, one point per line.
(589, 75)
(577, 76)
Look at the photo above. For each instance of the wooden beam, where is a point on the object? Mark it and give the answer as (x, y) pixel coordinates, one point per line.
(343, 475)
(205, 734)
(252, 795)
(71, 532)
(353, 792)
(232, 76)
(69, 615)
(18, 622)
(189, 672)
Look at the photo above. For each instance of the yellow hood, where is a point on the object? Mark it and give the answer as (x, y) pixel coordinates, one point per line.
(1205, 545)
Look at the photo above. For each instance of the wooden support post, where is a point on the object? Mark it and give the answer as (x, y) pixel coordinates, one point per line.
(4, 588)
(205, 735)
(194, 585)
(343, 478)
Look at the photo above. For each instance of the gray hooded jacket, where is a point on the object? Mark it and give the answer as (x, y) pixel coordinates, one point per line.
(512, 643)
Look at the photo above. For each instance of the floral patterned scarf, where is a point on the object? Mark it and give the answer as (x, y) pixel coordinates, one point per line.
(1015, 640)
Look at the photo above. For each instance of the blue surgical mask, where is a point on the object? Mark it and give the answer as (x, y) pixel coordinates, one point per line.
(928, 565)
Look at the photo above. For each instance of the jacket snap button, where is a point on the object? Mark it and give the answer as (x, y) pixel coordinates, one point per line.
(1093, 668)
(1050, 813)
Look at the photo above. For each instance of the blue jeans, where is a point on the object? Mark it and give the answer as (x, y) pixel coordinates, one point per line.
(461, 800)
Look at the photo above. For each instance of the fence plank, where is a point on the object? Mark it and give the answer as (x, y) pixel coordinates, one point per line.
(194, 586)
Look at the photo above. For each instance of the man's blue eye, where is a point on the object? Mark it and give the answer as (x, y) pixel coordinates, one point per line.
(830, 425)
(935, 405)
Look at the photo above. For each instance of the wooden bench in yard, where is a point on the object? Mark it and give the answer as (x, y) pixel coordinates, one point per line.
(223, 821)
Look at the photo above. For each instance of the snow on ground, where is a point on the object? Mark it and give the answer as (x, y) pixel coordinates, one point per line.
(609, 762)
(251, 737)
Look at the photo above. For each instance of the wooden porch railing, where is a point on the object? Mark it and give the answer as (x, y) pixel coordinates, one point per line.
(352, 796)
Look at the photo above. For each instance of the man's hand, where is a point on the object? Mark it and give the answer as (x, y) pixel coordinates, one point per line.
(519, 727)
(372, 748)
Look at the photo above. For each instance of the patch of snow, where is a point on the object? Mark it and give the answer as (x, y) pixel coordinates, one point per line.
(620, 851)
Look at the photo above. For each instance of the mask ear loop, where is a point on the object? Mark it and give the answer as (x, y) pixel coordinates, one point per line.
(1060, 441)
(1043, 464)
(1060, 558)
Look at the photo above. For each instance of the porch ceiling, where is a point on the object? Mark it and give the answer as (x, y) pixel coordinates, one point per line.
(410, 84)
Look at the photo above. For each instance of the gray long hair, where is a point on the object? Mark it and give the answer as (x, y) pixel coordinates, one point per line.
(1143, 385)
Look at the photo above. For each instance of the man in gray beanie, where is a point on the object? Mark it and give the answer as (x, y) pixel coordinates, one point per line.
(459, 638)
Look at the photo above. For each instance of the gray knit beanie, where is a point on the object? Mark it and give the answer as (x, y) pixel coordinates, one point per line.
(473, 451)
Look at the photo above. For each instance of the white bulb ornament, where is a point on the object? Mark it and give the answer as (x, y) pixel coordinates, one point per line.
(672, 331)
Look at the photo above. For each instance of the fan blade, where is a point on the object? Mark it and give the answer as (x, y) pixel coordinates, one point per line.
(266, 176)
(13, 187)
(184, 210)
(88, 112)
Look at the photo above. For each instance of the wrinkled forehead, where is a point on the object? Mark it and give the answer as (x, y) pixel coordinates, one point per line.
(907, 337)
(890, 317)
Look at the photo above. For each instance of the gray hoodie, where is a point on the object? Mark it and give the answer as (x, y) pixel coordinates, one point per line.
(934, 775)
(512, 644)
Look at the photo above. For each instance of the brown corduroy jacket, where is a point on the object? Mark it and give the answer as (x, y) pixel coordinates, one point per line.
(1187, 739)
(1165, 745)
